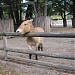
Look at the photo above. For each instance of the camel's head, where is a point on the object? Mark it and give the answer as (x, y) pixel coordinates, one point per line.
(25, 27)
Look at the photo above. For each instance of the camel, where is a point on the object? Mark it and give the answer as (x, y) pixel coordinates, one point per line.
(32, 42)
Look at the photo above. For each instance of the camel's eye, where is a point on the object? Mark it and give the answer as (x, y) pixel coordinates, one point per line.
(25, 24)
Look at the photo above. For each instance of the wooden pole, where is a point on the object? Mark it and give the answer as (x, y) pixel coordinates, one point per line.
(5, 46)
(42, 34)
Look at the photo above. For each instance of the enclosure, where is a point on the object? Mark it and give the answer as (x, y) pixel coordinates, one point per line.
(57, 47)
(57, 18)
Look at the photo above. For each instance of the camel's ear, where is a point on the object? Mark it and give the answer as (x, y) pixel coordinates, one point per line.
(31, 20)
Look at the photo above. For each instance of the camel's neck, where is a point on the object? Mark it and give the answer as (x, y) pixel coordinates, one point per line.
(32, 28)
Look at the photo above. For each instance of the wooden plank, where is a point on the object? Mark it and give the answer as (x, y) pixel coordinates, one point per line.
(5, 46)
(48, 64)
(41, 53)
(70, 57)
(42, 34)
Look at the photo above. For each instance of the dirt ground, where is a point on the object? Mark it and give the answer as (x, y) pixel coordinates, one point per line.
(64, 46)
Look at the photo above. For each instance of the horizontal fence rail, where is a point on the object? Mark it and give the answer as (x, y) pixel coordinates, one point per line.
(41, 34)
(62, 56)
(42, 63)
(48, 64)
(51, 34)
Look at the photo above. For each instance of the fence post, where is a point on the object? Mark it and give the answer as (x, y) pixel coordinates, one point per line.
(4, 46)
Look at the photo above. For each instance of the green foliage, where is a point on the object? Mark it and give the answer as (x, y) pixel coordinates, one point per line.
(54, 6)
(60, 6)
(15, 8)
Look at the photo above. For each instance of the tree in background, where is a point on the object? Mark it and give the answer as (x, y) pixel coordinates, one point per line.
(29, 11)
(51, 7)
(1, 10)
(43, 7)
(73, 20)
(61, 7)
(13, 9)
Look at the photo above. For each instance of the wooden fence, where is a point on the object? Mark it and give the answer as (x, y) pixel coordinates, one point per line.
(6, 26)
(58, 66)
(43, 22)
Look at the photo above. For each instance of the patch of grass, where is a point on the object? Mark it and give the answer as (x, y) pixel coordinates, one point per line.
(56, 17)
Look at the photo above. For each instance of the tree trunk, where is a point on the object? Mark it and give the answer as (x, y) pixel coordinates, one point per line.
(64, 20)
(38, 9)
(73, 20)
(20, 12)
(16, 15)
(20, 15)
(16, 19)
(11, 13)
(1, 12)
(29, 11)
(44, 22)
(45, 8)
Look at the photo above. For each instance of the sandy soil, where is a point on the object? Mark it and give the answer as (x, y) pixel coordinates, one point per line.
(51, 45)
